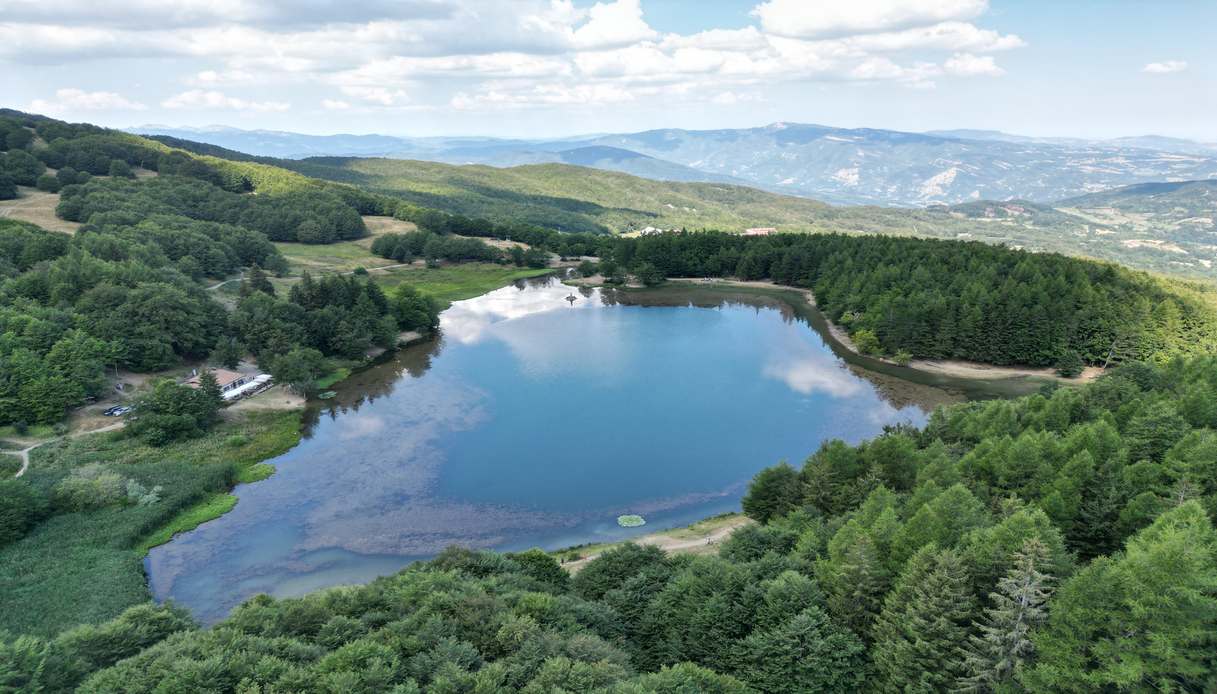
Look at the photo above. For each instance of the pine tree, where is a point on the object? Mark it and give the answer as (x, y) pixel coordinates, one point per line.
(1094, 532)
(1018, 607)
(857, 586)
(257, 281)
(807, 653)
(209, 389)
(918, 640)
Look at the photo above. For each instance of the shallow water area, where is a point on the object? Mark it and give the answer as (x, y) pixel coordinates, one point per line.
(541, 414)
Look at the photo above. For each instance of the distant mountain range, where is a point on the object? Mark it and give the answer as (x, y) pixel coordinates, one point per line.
(839, 165)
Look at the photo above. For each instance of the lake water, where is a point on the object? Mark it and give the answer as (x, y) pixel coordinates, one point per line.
(536, 421)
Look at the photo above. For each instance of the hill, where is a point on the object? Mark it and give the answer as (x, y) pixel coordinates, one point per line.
(585, 199)
(839, 165)
(568, 198)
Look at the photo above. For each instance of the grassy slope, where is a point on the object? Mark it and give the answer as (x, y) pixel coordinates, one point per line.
(569, 197)
(87, 566)
(455, 282)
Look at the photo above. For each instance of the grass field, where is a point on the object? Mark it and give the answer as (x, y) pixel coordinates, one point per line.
(455, 282)
(334, 257)
(87, 566)
(37, 207)
(211, 508)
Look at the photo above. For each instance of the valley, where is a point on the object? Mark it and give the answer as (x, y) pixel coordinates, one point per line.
(480, 371)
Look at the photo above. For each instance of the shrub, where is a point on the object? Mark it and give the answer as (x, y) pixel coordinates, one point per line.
(866, 341)
(90, 487)
(48, 183)
(21, 505)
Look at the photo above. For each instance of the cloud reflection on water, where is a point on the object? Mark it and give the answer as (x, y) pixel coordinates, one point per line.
(638, 433)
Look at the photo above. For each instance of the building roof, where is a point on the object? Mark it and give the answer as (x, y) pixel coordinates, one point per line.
(223, 377)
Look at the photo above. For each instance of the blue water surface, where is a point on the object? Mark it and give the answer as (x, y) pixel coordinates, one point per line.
(534, 421)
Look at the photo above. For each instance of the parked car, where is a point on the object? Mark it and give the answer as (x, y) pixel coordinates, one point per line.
(117, 411)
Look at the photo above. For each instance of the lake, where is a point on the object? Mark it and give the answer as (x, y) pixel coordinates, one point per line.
(535, 421)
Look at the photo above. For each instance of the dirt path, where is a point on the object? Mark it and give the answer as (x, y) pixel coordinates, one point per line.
(675, 541)
(24, 453)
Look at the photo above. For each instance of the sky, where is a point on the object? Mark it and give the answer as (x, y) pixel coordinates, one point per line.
(553, 68)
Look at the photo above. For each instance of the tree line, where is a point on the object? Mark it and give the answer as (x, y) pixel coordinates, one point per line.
(333, 316)
(1061, 542)
(950, 299)
(433, 247)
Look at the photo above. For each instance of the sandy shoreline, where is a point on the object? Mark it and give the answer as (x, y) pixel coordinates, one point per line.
(701, 537)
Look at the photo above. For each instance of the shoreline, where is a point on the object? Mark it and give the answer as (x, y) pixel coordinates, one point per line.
(698, 537)
(950, 368)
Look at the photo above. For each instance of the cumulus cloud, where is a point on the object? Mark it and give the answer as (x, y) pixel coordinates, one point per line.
(495, 54)
(383, 96)
(613, 24)
(795, 18)
(968, 65)
(208, 100)
(1165, 67)
(334, 105)
(71, 100)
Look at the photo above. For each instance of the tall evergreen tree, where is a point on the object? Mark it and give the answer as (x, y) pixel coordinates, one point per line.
(257, 281)
(918, 641)
(1018, 607)
(1139, 621)
(807, 653)
(856, 586)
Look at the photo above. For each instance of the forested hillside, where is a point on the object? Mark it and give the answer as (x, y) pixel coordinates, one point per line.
(127, 291)
(946, 299)
(1062, 542)
(574, 198)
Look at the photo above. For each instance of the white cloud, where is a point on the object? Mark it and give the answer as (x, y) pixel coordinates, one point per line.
(1165, 67)
(493, 54)
(217, 77)
(383, 96)
(968, 65)
(202, 99)
(544, 95)
(804, 19)
(70, 100)
(613, 24)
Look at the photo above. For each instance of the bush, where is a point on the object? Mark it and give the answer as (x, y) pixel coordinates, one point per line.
(866, 341)
(120, 169)
(21, 505)
(48, 183)
(90, 487)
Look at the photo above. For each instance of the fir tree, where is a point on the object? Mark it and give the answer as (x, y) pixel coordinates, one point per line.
(209, 391)
(1018, 607)
(924, 622)
(1094, 533)
(857, 586)
(256, 281)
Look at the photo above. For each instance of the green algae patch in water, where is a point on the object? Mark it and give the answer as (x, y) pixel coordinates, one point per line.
(631, 521)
